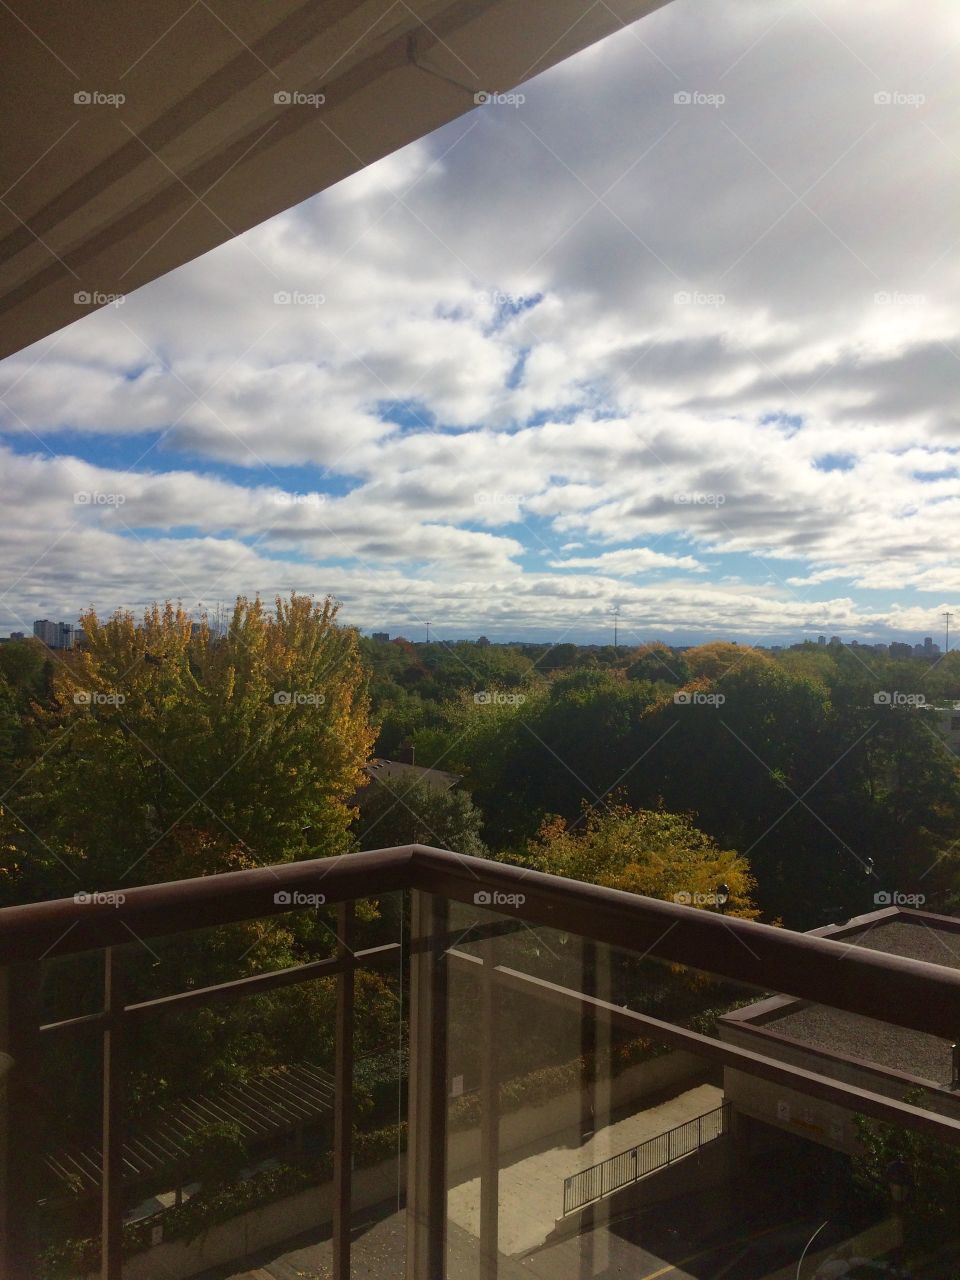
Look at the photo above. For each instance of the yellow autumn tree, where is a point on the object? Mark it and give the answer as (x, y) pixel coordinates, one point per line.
(719, 657)
(174, 752)
(168, 751)
(646, 851)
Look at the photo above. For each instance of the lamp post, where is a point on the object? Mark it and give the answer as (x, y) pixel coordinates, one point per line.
(899, 1180)
(722, 894)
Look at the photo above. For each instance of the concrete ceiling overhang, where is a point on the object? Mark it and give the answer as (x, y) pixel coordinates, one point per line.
(138, 136)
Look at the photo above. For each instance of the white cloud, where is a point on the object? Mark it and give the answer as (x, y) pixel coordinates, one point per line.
(603, 319)
(630, 562)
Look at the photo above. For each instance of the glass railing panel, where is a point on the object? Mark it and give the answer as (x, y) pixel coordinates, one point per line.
(685, 1163)
(241, 1096)
(67, 1133)
(534, 1050)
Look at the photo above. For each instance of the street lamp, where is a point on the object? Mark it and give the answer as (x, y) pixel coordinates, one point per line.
(722, 894)
(900, 1181)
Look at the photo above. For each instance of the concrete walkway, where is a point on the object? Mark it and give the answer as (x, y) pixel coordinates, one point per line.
(531, 1188)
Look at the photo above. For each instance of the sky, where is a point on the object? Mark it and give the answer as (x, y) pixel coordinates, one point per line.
(677, 334)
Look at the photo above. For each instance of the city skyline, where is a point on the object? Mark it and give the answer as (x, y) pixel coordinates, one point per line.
(927, 646)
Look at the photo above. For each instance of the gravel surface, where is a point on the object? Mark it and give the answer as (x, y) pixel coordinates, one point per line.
(913, 1052)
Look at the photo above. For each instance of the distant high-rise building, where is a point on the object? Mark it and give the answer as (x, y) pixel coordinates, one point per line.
(17, 635)
(382, 636)
(821, 639)
(926, 650)
(55, 635)
(45, 630)
(835, 640)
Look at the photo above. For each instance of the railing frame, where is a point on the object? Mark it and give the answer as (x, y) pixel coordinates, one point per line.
(908, 993)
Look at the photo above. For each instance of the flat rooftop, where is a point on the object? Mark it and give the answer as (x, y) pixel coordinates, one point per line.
(916, 935)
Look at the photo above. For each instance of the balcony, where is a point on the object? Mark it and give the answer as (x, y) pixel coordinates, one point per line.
(553, 1110)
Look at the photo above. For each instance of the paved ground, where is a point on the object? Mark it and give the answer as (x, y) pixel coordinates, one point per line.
(665, 1242)
(378, 1253)
(656, 1246)
(531, 1186)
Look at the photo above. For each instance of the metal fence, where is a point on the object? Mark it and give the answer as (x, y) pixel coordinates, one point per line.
(629, 1166)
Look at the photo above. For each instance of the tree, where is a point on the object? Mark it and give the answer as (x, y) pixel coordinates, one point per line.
(720, 657)
(169, 753)
(651, 852)
(655, 662)
(418, 813)
(929, 1167)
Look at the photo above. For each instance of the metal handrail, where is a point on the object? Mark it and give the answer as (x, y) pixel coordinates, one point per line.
(627, 1167)
(906, 992)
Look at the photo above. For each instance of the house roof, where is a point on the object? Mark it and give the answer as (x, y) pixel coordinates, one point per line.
(390, 771)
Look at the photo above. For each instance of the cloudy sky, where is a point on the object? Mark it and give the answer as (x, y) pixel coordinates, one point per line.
(678, 333)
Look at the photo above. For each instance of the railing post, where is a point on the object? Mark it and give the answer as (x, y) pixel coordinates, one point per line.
(489, 1117)
(343, 1096)
(111, 1190)
(427, 1111)
(20, 1111)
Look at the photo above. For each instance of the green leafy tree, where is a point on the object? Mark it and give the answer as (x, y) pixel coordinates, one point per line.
(656, 663)
(418, 813)
(928, 1168)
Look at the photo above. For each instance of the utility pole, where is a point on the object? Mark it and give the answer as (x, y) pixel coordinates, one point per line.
(946, 617)
(428, 633)
(616, 620)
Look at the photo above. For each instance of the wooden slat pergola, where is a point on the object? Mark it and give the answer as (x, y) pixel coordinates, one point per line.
(273, 1103)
